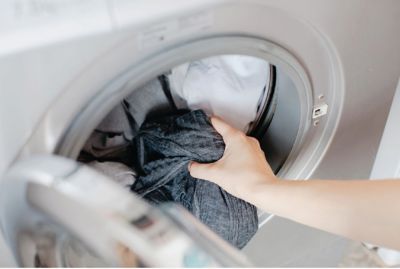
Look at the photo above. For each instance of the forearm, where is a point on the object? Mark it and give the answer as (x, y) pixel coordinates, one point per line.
(363, 210)
(359, 209)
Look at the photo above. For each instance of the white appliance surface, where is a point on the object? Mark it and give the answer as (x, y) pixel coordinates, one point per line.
(387, 164)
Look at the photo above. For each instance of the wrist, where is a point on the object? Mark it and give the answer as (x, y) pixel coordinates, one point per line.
(261, 183)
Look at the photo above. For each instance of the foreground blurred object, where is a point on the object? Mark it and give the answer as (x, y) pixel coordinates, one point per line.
(71, 215)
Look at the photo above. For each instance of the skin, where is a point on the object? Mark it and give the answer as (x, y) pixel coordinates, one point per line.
(361, 210)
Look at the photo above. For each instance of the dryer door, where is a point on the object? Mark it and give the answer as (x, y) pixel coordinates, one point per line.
(56, 212)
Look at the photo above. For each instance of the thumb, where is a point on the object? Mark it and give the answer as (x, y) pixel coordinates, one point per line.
(201, 170)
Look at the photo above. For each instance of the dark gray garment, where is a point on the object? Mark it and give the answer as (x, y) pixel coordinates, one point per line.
(164, 148)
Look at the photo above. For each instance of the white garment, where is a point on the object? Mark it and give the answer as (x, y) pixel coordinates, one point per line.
(229, 86)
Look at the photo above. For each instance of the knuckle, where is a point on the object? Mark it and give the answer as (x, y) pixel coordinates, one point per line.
(240, 136)
(255, 141)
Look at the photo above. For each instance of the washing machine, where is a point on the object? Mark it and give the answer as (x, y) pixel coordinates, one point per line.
(64, 65)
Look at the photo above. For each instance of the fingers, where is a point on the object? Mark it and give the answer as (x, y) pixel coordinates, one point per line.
(221, 126)
(201, 170)
(205, 170)
(227, 132)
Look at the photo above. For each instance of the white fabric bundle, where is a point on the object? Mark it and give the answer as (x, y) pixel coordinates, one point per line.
(228, 86)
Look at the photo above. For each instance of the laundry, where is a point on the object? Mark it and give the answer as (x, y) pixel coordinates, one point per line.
(111, 140)
(164, 148)
(161, 148)
(235, 87)
(119, 172)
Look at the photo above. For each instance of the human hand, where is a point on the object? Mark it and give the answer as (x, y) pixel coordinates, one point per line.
(243, 167)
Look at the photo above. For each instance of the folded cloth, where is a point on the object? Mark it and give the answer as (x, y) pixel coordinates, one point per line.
(164, 147)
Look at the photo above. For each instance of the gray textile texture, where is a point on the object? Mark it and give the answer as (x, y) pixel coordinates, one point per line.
(164, 147)
(112, 138)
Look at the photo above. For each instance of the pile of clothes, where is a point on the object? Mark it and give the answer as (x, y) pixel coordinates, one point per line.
(149, 153)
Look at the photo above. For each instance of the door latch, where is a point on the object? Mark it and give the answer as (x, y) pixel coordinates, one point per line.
(319, 110)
